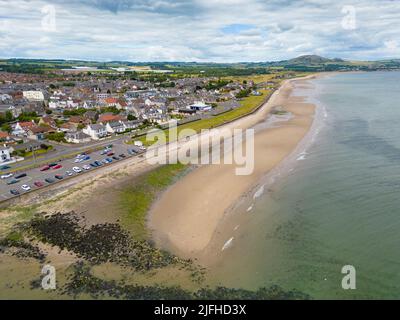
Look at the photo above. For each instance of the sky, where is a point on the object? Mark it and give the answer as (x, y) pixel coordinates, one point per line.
(199, 30)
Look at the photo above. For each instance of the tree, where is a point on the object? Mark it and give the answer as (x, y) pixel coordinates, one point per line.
(131, 117)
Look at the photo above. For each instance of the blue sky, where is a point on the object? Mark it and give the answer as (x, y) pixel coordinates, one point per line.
(199, 30)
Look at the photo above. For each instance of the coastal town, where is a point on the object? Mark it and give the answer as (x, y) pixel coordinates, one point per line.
(45, 119)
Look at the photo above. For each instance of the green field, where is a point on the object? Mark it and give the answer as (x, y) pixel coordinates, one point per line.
(135, 201)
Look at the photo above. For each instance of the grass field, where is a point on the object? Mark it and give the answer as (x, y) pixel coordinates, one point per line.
(134, 202)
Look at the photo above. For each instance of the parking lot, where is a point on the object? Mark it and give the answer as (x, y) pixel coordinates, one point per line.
(55, 172)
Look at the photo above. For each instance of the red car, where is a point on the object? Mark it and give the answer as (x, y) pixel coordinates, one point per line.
(45, 168)
(110, 154)
(38, 184)
(59, 166)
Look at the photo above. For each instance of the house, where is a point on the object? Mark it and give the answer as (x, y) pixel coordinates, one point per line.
(5, 155)
(48, 121)
(111, 102)
(128, 125)
(91, 115)
(77, 137)
(95, 131)
(115, 127)
(26, 147)
(33, 95)
(4, 136)
(109, 117)
(38, 132)
(68, 127)
(21, 128)
(77, 120)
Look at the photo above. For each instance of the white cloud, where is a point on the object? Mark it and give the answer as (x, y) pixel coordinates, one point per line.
(148, 30)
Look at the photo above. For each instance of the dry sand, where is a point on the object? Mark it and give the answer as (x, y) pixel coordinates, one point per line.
(187, 215)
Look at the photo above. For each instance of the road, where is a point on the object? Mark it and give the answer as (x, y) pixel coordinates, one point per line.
(34, 174)
(61, 150)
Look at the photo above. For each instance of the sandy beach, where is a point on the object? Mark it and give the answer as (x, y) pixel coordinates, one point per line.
(187, 216)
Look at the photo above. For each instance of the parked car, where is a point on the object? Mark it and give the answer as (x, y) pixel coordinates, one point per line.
(38, 184)
(86, 167)
(69, 173)
(13, 181)
(14, 192)
(78, 160)
(59, 177)
(110, 154)
(76, 169)
(49, 180)
(25, 187)
(7, 175)
(5, 167)
(109, 160)
(122, 155)
(59, 166)
(99, 164)
(115, 158)
(103, 152)
(21, 175)
(86, 158)
(104, 161)
(45, 168)
(53, 164)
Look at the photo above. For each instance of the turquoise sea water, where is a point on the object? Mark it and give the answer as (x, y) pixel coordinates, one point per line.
(339, 206)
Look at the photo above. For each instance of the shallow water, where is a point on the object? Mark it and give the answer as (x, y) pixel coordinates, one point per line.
(337, 205)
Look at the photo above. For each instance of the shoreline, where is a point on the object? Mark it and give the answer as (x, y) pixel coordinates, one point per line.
(187, 216)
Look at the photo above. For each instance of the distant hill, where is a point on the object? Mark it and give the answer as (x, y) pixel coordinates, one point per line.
(311, 60)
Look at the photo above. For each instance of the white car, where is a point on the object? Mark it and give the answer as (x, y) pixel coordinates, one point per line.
(86, 167)
(6, 176)
(25, 187)
(68, 173)
(77, 169)
(78, 160)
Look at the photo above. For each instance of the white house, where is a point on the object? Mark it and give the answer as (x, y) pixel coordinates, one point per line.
(95, 131)
(115, 127)
(77, 137)
(130, 124)
(33, 95)
(5, 155)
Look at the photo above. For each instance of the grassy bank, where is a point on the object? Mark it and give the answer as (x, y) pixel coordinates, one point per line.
(135, 201)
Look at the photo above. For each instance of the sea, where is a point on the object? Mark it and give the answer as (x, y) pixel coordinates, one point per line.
(335, 204)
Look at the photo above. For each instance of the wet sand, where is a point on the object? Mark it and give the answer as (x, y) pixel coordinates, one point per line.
(187, 216)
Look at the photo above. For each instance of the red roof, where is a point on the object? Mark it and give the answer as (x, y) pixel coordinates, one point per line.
(27, 124)
(3, 135)
(111, 100)
(109, 117)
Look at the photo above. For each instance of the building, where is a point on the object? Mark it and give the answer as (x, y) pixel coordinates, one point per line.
(115, 127)
(77, 137)
(48, 121)
(21, 128)
(95, 131)
(33, 95)
(38, 133)
(200, 106)
(109, 117)
(129, 125)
